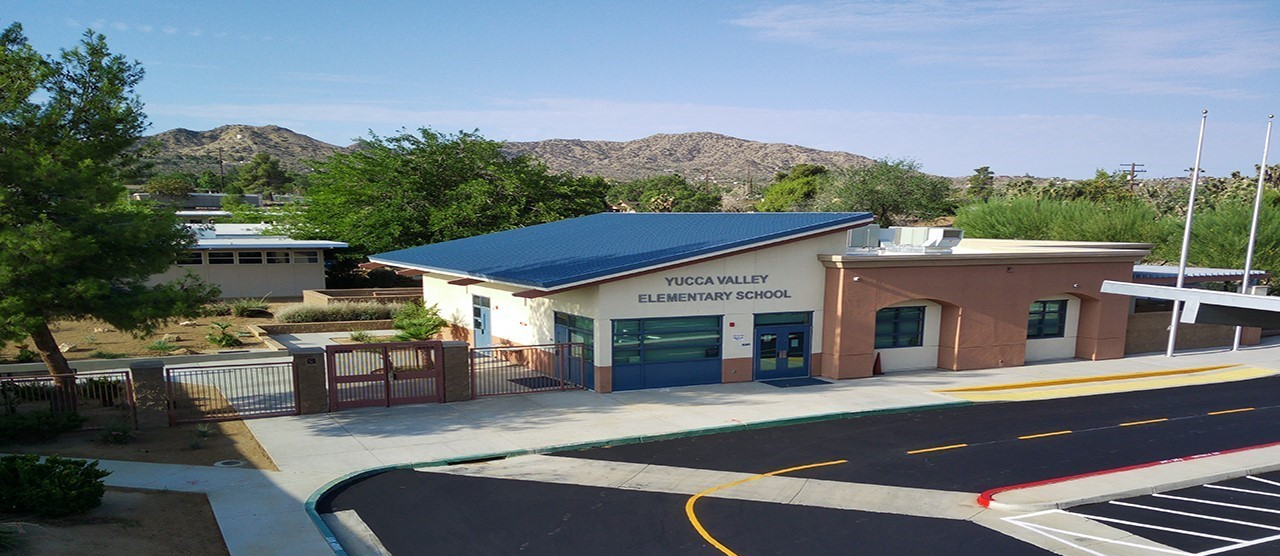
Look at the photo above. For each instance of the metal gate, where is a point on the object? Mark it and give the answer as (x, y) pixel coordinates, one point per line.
(231, 392)
(382, 375)
(497, 371)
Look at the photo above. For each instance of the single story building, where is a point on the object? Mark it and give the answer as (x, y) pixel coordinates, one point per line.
(680, 299)
(244, 262)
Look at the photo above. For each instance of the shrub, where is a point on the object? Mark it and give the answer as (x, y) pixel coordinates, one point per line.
(99, 354)
(220, 337)
(37, 426)
(10, 536)
(55, 487)
(118, 431)
(361, 336)
(161, 346)
(417, 322)
(25, 355)
(248, 307)
(343, 310)
(217, 309)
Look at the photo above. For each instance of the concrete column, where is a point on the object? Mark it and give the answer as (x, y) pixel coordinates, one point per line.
(150, 394)
(457, 372)
(312, 387)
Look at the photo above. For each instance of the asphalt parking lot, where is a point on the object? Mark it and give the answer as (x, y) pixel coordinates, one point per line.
(1238, 517)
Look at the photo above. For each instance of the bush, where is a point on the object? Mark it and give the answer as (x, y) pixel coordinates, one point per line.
(55, 487)
(99, 354)
(10, 536)
(361, 336)
(37, 426)
(162, 345)
(343, 310)
(249, 308)
(217, 309)
(220, 337)
(119, 431)
(1027, 218)
(417, 322)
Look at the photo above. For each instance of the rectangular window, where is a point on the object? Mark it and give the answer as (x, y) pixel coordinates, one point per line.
(249, 257)
(191, 258)
(309, 257)
(222, 257)
(581, 331)
(771, 319)
(666, 340)
(1047, 319)
(900, 327)
(277, 257)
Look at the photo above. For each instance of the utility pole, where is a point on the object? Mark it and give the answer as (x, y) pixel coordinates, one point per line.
(222, 173)
(1133, 172)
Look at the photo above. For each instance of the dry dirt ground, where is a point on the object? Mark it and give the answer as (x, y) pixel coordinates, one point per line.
(143, 522)
(93, 338)
(129, 523)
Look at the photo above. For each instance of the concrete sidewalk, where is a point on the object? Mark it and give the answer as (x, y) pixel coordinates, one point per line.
(261, 512)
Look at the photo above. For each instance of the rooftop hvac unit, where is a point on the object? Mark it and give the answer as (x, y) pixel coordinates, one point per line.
(864, 240)
(920, 240)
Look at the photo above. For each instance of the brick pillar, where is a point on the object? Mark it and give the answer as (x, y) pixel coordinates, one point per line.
(457, 372)
(150, 394)
(312, 387)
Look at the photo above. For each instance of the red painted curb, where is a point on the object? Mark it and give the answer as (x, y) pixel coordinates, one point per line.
(984, 499)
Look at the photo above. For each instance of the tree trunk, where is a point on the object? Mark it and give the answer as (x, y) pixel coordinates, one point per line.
(64, 383)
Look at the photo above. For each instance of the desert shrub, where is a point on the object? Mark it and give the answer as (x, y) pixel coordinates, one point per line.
(361, 336)
(54, 487)
(99, 354)
(25, 355)
(343, 310)
(37, 426)
(217, 309)
(163, 345)
(248, 307)
(417, 322)
(219, 336)
(119, 431)
(1049, 219)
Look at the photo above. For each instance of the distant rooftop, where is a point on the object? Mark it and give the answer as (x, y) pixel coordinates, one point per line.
(590, 248)
(1168, 275)
(251, 236)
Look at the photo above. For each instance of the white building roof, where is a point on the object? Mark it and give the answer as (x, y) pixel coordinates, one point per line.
(251, 236)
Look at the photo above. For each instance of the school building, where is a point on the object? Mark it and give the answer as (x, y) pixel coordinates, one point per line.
(674, 299)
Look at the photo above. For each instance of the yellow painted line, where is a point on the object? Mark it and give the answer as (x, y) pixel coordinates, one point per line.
(1147, 422)
(697, 525)
(1226, 411)
(1084, 379)
(1087, 389)
(1044, 434)
(937, 449)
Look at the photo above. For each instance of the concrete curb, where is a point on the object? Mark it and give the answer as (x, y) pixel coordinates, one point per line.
(1189, 464)
(332, 539)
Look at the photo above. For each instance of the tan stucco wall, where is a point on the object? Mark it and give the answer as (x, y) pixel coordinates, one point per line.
(254, 280)
(984, 310)
(1149, 332)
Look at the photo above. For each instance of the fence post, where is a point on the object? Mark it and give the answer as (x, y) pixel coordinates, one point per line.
(150, 394)
(456, 368)
(312, 386)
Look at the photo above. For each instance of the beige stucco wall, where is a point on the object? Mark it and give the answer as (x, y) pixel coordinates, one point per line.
(255, 280)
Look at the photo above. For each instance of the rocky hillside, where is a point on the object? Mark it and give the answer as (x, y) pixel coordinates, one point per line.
(721, 159)
(198, 151)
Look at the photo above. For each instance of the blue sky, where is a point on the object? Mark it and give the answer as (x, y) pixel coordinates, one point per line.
(1023, 86)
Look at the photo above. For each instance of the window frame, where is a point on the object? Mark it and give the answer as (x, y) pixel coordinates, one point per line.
(1036, 327)
(893, 339)
(191, 258)
(273, 257)
(310, 256)
(242, 255)
(640, 341)
(221, 258)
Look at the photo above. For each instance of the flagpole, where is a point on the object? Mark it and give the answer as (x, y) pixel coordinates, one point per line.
(1253, 228)
(1186, 235)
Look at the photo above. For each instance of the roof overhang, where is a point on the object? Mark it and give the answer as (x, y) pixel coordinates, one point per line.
(531, 290)
(1080, 256)
(1208, 307)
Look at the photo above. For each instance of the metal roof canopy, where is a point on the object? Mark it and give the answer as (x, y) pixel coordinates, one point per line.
(1168, 275)
(1208, 307)
(577, 251)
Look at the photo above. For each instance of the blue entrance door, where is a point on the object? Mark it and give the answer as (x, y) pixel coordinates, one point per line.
(480, 336)
(782, 352)
(575, 357)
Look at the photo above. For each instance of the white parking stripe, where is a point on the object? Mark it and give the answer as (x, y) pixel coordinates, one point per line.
(1239, 546)
(1261, 480)
(1159, 528)
(1080, 535)
(1189, 514)
(1214, 503)
(1244, 490)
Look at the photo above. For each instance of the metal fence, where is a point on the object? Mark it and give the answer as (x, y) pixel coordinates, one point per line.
(102, 398)
(385, 374)
(232, 392)
(497, 371)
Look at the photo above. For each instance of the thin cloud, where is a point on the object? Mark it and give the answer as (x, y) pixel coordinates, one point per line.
(1094, 46)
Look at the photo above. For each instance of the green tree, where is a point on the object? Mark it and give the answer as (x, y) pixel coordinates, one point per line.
(70, 246)
(408, 190)
(895, 191)
(170, 187)
(263, 174)
(1053, 219)
(794, 190)
(666, 193)
(981, 184)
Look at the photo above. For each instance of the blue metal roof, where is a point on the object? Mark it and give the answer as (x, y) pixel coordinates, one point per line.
(582, 249)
